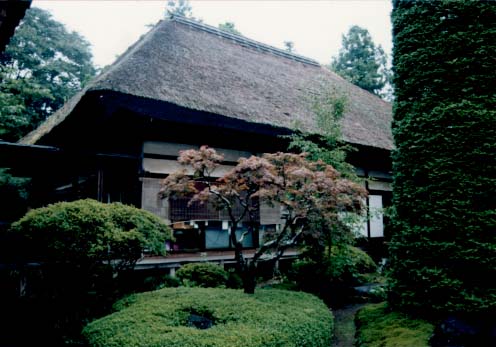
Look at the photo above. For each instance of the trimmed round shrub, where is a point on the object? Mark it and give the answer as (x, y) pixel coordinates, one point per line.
(203, 275)
(89, 232)
(86, 251)
(168, 317)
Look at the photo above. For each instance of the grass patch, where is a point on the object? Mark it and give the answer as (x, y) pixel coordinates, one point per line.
(269, 318)
(379, 327)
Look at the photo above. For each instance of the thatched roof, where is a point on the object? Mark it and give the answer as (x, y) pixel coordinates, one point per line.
(201, 68)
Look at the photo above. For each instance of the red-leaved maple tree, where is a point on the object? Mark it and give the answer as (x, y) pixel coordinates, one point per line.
(303, 189)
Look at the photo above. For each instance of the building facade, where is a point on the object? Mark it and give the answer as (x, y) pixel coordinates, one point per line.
(186, 84)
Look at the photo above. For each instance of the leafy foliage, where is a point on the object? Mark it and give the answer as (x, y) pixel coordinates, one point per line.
(13, 196)
(377, 326)
(230, 27)
(302, 188)
(268, 318)
(156, 282)
(361, 62)
(19, 103)
(444, 241)
(347, 263)
(327, 145)
(179, 7)
(42, 67)
(84, 251)
(334, 274)
(203, 275)
(344, 265)
(289, 46)
(86, 233)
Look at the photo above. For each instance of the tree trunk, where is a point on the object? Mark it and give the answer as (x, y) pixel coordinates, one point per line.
(249, 278)
(246, 268)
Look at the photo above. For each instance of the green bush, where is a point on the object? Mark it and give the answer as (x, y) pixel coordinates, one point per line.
(333, 276)
(159, 282)
(378, 294)
(345, 264)
(234, 280)
(309, 275)
(379, 327)
(86, 251)
(203, 275)
(87, 232)
(348, 263)
(267, 318)
(85, 246)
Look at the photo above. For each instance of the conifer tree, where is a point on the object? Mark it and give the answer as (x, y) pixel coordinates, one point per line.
(361, 62)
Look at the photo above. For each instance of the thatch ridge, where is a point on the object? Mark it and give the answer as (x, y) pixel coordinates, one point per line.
(187, 65)
(243, 40)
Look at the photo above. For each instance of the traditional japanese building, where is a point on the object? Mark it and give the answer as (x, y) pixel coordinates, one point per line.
(186, 84)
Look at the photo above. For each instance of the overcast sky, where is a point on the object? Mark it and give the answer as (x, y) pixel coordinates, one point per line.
(315, 27)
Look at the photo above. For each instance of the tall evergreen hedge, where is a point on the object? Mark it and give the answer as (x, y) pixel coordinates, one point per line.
(443, 252)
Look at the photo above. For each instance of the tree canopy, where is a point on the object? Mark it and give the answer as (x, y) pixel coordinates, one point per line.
(230, 27)
(327, 145)
(361, 62)
(302, 189)
(444, 241)
(289, 46)
(179, 7)
(42, 67)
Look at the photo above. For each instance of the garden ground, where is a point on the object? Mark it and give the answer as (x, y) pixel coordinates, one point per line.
(344, 325)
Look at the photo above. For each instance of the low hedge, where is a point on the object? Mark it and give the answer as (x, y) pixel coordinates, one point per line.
(268, 318)
(377, 326)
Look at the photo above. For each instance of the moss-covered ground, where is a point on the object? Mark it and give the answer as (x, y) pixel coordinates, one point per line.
(377, 326)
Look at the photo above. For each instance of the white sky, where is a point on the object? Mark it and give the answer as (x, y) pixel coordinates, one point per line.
(315, 27)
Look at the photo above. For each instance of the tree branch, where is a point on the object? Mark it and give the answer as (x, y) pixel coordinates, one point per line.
(242, 237)
(266, 246)
(224, 200)
(280, 250)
